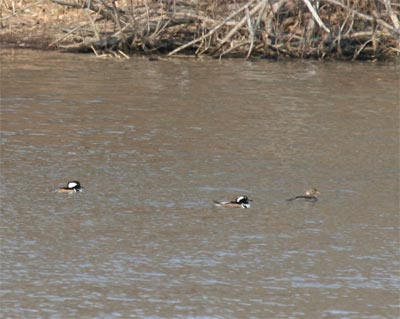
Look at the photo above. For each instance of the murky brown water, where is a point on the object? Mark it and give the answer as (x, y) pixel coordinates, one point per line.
(153, 143)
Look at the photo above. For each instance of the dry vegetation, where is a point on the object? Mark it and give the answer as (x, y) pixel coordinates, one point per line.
(341, 29)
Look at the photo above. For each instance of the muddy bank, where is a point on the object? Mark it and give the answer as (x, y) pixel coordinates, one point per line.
(36, 24)
(326, 29)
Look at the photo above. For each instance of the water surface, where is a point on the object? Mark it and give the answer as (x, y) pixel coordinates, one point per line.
(153, 143)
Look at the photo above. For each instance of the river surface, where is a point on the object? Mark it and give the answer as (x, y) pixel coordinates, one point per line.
(154, 143)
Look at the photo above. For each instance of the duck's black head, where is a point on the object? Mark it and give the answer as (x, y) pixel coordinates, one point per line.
(244, 201)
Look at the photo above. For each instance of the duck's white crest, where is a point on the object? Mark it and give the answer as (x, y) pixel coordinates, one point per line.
(72, 184)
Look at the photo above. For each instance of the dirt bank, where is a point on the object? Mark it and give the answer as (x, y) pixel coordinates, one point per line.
(36, 24)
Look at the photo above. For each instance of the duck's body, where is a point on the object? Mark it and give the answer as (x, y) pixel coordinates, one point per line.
(72, 187)
(239, 202)
(309, 196)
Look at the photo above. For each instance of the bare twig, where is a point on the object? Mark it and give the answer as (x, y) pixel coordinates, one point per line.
(392, 15)
(251, 31)
(217, 27)
(93, 25)
(365, 16)
(69, 33)
(123, 54)
(234, 47)
(357, 52)
(316, 16)
(240, 24)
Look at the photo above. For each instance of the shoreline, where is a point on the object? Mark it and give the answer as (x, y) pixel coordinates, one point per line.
(243, 29)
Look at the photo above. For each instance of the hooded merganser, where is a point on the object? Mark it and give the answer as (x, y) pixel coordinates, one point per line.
(72, 187)
(309, 196)
(241, 201)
